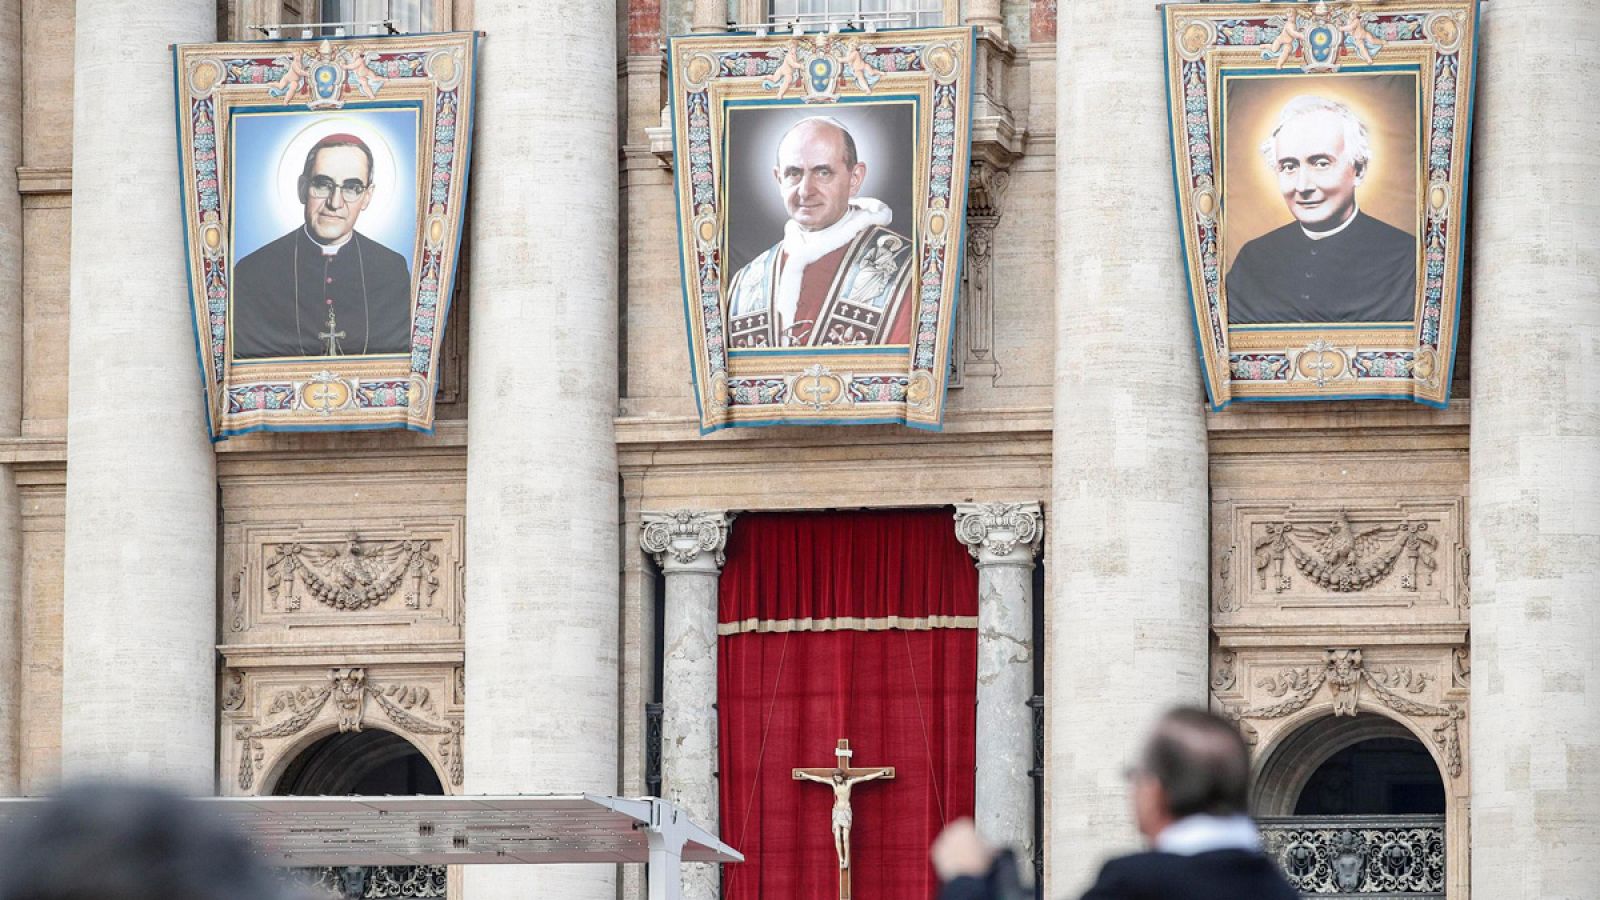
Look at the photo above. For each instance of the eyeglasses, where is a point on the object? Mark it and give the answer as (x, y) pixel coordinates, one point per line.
(322, 188)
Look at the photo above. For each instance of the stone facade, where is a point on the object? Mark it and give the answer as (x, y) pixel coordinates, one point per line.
(207, 613)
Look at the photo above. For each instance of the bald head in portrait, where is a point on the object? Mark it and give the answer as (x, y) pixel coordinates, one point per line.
(840, 275)
(1332, 262)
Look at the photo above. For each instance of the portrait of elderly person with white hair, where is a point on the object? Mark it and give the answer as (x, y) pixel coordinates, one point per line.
(840, 275)
(1333, 262)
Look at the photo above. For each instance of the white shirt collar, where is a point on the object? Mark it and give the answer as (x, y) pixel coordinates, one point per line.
(333, 248)
(1320, 235)
(1204, 833)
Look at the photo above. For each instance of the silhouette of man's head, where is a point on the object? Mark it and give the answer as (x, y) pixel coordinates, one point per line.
(1194, 762)
(111, 841)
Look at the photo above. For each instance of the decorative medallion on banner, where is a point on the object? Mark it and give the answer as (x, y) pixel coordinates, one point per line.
(1320, 155)
(822, 193)
(324, 183)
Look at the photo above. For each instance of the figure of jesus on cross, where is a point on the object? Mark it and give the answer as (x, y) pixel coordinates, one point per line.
(842, 778)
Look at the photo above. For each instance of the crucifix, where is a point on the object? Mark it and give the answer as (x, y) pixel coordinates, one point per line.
(841, 777)
(331, 336)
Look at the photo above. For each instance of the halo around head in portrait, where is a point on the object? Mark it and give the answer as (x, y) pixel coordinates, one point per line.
(1357, 143)
(288, 208)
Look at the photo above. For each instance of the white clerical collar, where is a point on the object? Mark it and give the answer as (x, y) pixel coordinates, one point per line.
(1320, 235)
(1203, 833)
(333, 248)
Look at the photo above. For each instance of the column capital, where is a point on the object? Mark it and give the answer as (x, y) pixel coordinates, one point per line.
(1001, 534)
(686, 540)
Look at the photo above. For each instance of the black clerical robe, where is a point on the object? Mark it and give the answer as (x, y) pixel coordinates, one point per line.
(1365, 273)
(282, 294)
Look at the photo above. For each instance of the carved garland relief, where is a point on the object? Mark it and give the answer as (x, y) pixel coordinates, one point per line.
(1259, 689)
(266, 716)
(401, 573)
(1410, 554)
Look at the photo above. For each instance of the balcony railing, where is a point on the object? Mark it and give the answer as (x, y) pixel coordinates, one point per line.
(373, 882)
(1359, 857)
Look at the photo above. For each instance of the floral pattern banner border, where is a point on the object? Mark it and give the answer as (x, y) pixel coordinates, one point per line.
(323, 88)
(1434, 42)
(748, 369)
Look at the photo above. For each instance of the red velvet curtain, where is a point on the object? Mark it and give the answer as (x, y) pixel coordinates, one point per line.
(859, 626)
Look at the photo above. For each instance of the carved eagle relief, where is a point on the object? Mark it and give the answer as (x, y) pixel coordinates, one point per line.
(351, 575)
(1343, 557)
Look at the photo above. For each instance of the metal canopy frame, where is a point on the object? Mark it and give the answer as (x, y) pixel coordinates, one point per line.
(467, 830)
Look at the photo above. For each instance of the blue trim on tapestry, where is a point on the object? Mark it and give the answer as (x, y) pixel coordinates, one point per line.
(683, 249)
(1177, 207)
(1315, 398)
(449, 294)
(179, 110)
(371, 426)
(1466, 178)
(960, 248)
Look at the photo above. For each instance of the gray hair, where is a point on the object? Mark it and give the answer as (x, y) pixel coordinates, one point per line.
(1357, 147)
(849, 139)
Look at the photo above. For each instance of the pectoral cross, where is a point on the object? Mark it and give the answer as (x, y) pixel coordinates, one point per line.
(331, 336)
(841, 777)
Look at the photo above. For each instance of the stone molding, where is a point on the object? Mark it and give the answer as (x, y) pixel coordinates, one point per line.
(1271, 693)
(1276, 561)
(686, 540)
(1001, 534)
(308, 578)
(268, 717)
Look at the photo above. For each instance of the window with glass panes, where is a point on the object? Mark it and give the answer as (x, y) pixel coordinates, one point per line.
(914, 12)
(410, 16)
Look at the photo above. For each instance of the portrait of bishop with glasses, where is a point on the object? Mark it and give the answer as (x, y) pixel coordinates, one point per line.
(325, 289)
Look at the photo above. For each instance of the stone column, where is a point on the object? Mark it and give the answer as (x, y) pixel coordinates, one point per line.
(1004, 538)
(11, 391)
(688, 547)
(1535, 483)
(1127, 618)
(985, 14)
(139, 613)
(707, 16)
(543, 546)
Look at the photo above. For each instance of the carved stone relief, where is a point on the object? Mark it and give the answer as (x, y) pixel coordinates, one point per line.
(1260, 688)
(405, 571)
(975, 333)
(266, 716)
(1408, 554)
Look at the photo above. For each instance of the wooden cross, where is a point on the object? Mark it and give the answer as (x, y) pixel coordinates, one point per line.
(331, 336)
(841, 777)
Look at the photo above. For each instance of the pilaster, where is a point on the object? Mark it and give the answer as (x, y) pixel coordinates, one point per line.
(139, 617)
(1535, 454)
(1004, 538)
(688, 546)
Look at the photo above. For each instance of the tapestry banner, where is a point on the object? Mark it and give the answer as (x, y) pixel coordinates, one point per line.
(1320, 161)
(324, 182)
(822, 190)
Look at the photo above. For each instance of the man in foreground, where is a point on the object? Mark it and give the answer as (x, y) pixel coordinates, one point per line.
(1190, 792)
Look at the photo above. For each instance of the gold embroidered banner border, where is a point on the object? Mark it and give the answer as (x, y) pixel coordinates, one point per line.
(1369, 313)
(320, 285)
(734, 97)
(845, 623)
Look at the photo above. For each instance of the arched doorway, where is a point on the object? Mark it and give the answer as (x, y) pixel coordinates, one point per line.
(1355, 806)
(366, 762)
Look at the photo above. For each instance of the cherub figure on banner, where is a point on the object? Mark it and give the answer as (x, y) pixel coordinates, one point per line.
(861, 71)
(1319, 38)
(1354, 28)
(321, 76)
(1283, 46)
(788, 71)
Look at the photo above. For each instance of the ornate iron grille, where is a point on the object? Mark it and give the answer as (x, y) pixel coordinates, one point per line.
(652, 749)
(372, 882)
(1365, 857)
